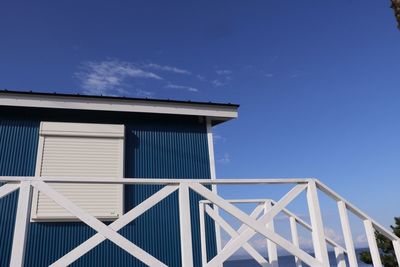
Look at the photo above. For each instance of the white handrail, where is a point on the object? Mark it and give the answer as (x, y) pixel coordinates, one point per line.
(251, 226)
(160, 181)
(378, 227)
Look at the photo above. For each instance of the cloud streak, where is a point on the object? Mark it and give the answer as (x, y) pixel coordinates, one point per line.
(183, 87)
(217, 83)
(115, 78)
(109, 77)
(223, 72)
(167, 68)
(225, 159)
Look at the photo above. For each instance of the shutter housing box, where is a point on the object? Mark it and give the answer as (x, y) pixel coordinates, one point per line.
(80, 150)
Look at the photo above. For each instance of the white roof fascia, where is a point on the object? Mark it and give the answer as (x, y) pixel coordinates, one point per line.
(224, 112)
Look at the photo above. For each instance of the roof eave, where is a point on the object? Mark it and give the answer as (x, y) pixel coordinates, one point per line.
(216, 112)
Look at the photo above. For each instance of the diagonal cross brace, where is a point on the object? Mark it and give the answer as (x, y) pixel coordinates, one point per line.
(254, 225)
(128, 217)
(257, 211)
(97, 225)
(8, 189)
(229, 229)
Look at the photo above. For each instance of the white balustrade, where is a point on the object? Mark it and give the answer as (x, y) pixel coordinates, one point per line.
(259, 221)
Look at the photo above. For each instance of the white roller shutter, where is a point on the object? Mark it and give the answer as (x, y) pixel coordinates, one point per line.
(80, 150)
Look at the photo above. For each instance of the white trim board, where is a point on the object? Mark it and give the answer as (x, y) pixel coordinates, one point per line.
(213, 176)
(214, 111)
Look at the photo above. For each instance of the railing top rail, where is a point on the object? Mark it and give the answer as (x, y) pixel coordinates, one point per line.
(236, 181)
(241, 201)
(324, 188)
(158, 181)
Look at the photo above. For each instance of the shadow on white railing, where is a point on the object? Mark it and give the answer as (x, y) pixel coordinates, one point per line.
(251, 224)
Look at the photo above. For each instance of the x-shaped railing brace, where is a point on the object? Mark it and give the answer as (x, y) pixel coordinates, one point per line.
(104, 231)
(255, 226)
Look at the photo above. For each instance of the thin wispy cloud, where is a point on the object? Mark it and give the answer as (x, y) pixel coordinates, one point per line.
(223, 72)
(115, 78)
(296, 75)
(110, 76)
(333, 234)
(167, 68)
(201, 77)
(144, 93)
(217, 83)
(183, 87)
(225, 76)
(225, 159)
(218, 138)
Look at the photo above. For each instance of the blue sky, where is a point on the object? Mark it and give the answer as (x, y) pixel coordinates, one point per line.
(318, 81)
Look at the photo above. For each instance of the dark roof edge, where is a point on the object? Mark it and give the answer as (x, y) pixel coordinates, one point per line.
(118, 98)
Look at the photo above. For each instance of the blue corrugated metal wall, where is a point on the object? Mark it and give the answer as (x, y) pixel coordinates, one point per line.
(18, 146)
(154, 149)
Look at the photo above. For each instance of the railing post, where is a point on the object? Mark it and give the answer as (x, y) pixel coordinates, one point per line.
(185, 225)
(373, 247)
(203, 234)
(318, 234)
(21, 224)
(348, 237)
(396, 246)
(271, 246)
(339, 254)
(295, 238)
(213, 176)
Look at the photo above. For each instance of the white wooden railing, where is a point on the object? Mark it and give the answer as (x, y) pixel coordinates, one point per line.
(260, 221)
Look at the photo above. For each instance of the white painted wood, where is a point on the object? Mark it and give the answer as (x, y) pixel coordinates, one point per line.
(347, 235)
(356, 211)
(81, 149)
(373, 247)
(38, 168)
(271, 246)
(340, 259)
(213, 176)
(287, 212)
(295, 238)
(149, 181)
(185, 226)
(21, 225)
(396, 246)
(229, 229)
(370, 225)
(81, 129)
(220, 112)
(97, 225)
(254, 226)
(7, 189)
(128, 217)
(254, 214)
(318, 234)
(308, 227)
(246, 200)
(203, 242)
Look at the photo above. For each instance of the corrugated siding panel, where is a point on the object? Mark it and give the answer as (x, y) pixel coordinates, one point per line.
(173, 149)
(18, 146)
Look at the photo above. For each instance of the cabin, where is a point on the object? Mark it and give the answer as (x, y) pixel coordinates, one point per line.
(114, 181)
(64, 135)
